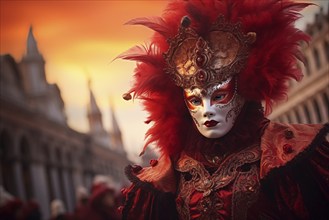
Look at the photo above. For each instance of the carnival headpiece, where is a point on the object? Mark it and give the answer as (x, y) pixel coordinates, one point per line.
(200, 42)
(197, 62)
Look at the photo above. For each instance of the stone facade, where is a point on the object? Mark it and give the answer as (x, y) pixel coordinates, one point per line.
(41, 157)
(308, 100)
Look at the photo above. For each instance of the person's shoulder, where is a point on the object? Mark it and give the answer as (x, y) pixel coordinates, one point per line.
(281, 143)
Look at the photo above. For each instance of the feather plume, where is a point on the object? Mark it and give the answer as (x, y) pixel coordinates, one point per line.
(271, 63)
(146, 54)
(155, 23)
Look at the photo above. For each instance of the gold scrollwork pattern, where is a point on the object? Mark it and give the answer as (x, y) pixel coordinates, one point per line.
(194, 177)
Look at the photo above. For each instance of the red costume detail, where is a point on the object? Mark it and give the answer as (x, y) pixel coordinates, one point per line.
(271, 63)
(279, 189)
(259, 169)
(153, 162)
(98, 207)
(278, 150)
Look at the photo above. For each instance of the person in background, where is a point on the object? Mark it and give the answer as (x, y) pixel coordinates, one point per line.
(81, 208)
(30, 211)
(101, 204)
(208, 79)
(9, 205)
(58, 211)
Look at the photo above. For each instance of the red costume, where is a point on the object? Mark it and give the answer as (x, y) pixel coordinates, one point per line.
(101, 204)
(205, 58)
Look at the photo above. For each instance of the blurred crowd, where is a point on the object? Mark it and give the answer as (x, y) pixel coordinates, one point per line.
(100, 203)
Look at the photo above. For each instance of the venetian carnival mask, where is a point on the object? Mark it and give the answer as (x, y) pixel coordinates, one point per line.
(215, 109)
(206, 68)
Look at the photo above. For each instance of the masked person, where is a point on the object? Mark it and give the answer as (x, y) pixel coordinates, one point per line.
(203, 78)
(101, 203)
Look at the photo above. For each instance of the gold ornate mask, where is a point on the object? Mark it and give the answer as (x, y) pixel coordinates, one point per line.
(199, 62)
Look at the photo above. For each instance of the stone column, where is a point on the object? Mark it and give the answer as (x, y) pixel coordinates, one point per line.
(19, 180)
(284, 118)
(77, 178)
(40, 188)
(88, 180)
(311, 60)
(312, 112)
(67, 190)
(302, 114)
(322, 54)
(293, 116)
(55, 183)
(323, 108)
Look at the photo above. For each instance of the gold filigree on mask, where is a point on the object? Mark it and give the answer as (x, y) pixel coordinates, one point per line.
(195, 61)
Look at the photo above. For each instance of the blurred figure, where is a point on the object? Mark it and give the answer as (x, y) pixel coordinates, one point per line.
(81, 208)
(4, 196)
(82, 195)
(9, 205)
(30, 211)
(101, 205)
(58, 211)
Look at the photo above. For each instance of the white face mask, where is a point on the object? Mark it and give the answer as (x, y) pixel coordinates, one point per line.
(215, 109)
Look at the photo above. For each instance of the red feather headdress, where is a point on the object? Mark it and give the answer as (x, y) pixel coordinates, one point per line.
(272, 59)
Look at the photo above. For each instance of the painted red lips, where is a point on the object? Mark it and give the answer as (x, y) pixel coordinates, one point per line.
(211, 123)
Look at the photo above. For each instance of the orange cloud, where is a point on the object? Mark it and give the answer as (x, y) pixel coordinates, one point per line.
(78, 38)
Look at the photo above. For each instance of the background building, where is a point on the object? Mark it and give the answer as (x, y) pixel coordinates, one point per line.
(41, 157)
(308, 100)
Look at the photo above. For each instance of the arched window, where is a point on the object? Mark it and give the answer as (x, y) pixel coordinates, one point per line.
(317, 58)
(48, 168)
(70, 178)
(24, 149)
(25, 154)
(6, 164)
(59, 160)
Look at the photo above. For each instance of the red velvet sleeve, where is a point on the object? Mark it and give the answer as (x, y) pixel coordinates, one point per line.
(145, 202)
(300, 190)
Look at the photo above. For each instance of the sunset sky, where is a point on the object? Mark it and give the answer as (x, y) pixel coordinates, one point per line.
(79, 39)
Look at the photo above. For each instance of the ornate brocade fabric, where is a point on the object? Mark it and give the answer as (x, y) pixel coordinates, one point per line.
(227, 193)
(227, 186)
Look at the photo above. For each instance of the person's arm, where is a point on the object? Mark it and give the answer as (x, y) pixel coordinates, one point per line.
(152, 193)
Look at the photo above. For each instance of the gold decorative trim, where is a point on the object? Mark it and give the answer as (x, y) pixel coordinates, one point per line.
(195, 177)
(200, 61)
